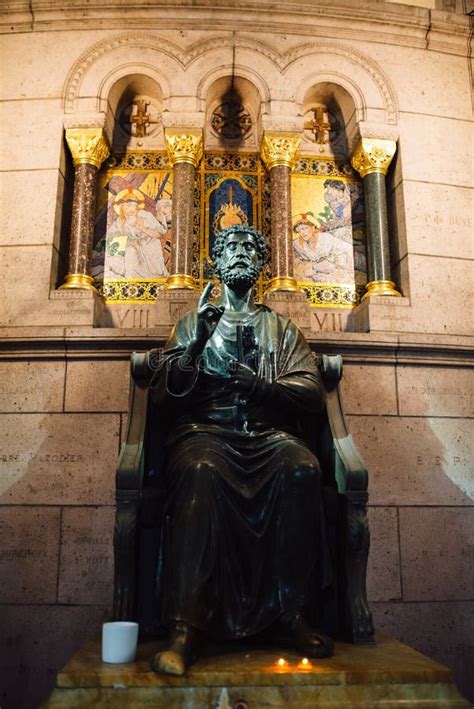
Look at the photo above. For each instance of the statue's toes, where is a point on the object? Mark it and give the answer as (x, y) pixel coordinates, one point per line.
(319, 645)
(168, 662)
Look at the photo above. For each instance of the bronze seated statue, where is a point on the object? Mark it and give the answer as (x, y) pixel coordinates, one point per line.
(241, 498)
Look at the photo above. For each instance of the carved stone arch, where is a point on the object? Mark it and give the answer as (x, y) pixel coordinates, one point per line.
(166, 53)
(125, 70)
(241, 71)
(366, 71)
(196, 50)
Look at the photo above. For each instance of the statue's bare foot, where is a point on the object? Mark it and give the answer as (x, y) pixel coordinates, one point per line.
(168, 662)
(307, 640)
(177, 657)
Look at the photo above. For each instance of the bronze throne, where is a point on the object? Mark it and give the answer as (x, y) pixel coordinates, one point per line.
(341, 611)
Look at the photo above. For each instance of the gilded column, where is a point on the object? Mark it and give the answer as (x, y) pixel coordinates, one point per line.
(371, 158)
(89, 149)
(278, 153)
(185, 152)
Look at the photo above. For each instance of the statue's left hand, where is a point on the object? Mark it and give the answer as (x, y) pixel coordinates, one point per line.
(242, 377)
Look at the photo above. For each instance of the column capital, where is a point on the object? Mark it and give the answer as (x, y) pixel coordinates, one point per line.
(279, 148)
(184, 145)
(373, 155)
(87, 145)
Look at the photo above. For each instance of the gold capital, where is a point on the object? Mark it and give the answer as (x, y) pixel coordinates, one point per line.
(279, 148)
(184, 145)
(87, 145)
(373, 155)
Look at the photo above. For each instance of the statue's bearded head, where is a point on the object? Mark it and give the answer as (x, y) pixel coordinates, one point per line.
(239, 253)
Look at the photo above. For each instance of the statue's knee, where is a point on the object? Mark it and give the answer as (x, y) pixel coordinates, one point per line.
(202, 470)
(306, 474)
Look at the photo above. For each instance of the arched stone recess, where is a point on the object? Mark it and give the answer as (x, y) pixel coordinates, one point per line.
(127, 98)
(232, 114)
(246, 73)
(371, 90)
(253, 91)
(340, 107)
(336, 90)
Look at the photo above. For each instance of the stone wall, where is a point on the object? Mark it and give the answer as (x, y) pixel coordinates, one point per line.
(63, 384)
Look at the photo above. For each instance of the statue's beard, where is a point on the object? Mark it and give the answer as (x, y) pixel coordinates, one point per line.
(239, 278)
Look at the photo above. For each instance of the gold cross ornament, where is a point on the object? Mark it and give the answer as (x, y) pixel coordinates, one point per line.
(319, 126)
(140, 119)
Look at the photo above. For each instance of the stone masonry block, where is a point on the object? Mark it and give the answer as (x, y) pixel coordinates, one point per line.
(35, 642)
(29, 548)
(431, 391)
(437, 553)
(369, 389)
(32, 386)
(65, 459)
(86, 569)
(383, 577)
(98, 385)
(415, 461)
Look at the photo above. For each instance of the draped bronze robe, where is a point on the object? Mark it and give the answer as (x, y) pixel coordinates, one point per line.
(245, 528)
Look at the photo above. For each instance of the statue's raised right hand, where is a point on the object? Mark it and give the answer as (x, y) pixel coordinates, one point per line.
(208, 316)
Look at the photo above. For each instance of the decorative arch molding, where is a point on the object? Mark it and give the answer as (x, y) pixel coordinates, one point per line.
(138, 40)
(183, 57)
(120, 72)
(241, 71)
(362, 61)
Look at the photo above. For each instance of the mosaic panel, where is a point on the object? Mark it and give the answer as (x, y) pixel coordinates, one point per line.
(231, 189)
(132, 238)
(328, 232)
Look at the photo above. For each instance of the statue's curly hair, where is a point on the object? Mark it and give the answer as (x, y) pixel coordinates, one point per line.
(220, 240)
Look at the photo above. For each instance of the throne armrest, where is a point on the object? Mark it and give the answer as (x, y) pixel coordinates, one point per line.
(130, 463)
(350, 469)
(129, 481)
(352, 482)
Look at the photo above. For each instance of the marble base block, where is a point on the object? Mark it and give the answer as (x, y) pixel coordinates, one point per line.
(381, 314)
(292, 305)
(387, 674)
(75, 308)
(168, 308)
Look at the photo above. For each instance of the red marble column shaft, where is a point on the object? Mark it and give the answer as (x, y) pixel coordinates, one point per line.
(282, 243)
(83, 215)
(182, 219)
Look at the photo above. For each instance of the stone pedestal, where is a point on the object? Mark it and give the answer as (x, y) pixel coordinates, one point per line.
(292, 305)
(387, 674)
(168, 308)
(381, 314)
(75, 308)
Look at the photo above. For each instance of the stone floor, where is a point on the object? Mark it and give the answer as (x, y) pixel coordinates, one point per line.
(387, 674)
